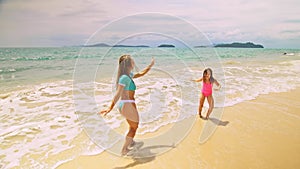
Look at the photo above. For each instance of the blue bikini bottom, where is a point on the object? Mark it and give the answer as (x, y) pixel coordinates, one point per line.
(124, 101)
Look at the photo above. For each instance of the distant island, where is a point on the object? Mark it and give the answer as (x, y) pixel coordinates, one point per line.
(97, 45)
(239, 45)
(166, 46)
(106, 45)
(222, 45)
(130, 46)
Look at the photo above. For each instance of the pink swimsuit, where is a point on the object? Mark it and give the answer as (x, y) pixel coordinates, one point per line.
(207, 89)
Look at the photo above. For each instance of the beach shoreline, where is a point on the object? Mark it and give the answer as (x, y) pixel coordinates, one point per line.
(50, 119)
(260, 133)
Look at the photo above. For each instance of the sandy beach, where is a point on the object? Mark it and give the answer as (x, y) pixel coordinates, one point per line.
(261, 133)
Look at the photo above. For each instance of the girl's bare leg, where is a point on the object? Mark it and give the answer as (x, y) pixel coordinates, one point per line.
(210, 100)
(201, 102)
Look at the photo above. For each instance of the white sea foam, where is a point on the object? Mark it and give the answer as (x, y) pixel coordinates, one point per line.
(39, 120)
(246, 83)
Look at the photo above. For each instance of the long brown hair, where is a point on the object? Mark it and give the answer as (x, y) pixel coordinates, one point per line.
(211, 79)
(125, 63)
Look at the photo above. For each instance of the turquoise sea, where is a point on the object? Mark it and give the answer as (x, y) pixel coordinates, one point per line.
(49, 95)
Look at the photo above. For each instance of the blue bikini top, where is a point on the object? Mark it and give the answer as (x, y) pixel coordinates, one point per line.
(127, 82)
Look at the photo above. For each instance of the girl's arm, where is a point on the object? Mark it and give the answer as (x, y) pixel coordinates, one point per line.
(146, 70)
(198, 80)
(114, 101)
(218, 84)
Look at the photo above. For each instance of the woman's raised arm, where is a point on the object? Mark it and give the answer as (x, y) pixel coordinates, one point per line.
(146, 70)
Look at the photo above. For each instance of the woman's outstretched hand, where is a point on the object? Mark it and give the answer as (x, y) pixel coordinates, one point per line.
(152, 62)
(104, 112)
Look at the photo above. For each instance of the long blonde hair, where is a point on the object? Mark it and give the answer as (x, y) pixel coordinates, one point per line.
(125, 63)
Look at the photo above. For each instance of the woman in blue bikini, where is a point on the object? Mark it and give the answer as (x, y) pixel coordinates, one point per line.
(126, 90)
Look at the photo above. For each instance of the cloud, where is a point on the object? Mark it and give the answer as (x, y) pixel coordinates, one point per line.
(239, 20)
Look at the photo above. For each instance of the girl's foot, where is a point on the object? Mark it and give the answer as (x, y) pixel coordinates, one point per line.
(206, 118)
(200, 115)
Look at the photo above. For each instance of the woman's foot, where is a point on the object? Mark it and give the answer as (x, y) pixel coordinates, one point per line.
(200, 115)
(132, 144)
(206, 118)
(125, 151)
(135, 145)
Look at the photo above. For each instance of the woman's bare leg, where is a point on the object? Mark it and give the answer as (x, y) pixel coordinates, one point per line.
(132, 118)
(130, 135)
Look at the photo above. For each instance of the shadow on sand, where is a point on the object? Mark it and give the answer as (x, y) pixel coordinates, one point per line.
(141, 155)
(218, 122)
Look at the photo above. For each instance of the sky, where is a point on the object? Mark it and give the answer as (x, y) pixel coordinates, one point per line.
(42, 23)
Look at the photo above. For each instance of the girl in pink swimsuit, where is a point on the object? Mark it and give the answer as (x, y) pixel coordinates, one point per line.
(206, 92)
